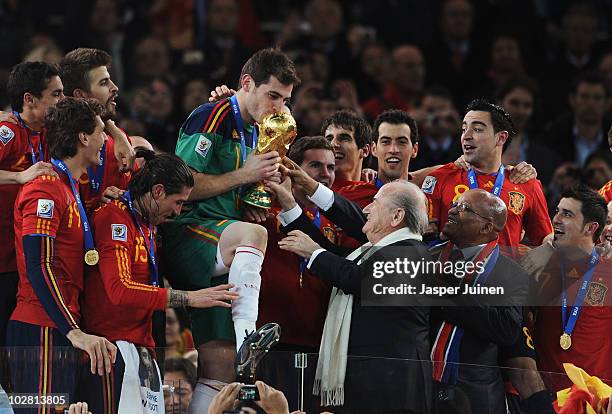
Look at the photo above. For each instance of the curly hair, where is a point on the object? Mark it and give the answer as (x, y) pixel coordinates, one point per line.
(66, 120)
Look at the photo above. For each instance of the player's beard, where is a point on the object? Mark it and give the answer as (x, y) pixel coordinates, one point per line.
(107, 113)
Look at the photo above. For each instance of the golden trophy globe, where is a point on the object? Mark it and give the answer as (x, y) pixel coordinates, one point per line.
(276, 133)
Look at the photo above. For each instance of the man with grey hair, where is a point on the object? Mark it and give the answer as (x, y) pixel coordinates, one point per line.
(395, 219)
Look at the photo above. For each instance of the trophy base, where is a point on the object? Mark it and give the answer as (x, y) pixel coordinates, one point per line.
(258, 197)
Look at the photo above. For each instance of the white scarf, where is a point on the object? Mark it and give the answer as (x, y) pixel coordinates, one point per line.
(333, 353)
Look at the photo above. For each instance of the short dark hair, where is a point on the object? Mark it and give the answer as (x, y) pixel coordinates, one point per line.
(75, 67)
(501, 120)
(66, 120)
(515, 82)
(32, 77)
(397, 117)
(591, 77)
(593, 209)
(165, 169)
(271, 62)
(185, 366)
(303, 144)
(349, 119)
(437, 90)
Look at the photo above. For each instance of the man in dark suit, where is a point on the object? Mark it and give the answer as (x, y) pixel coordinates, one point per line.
(580, 132)
(475, 327)
(475, 222)
(396, 218)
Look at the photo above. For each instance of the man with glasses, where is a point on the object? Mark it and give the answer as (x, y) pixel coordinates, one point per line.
(468, 336)
(486, 130)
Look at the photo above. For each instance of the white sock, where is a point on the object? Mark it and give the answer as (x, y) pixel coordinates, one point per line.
(245, 275)
(242, 328)
(203, 395)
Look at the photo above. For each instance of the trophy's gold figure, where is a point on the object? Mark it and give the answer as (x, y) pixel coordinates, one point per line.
(276, 133)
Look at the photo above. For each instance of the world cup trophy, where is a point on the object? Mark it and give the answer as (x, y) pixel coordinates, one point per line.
(276, 133)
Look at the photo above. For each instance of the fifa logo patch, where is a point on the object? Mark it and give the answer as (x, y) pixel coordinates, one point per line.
(119, 232)
(45, 208)
(203, 146)
(429, 184)
(6, 134)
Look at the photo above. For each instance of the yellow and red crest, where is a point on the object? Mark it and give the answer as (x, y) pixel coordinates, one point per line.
(516, 202)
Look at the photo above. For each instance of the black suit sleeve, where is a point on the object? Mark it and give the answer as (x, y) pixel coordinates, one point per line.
(349, 216)
(343, 274)
(498, 324)
(303, 224)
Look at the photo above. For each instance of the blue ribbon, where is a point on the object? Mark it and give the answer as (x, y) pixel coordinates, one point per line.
(568, 325)
(96, 177)
(127, 199)
(240, 129)
(317, 222)
(40, 147)
(87, 235)
(378, 183)
(499, 181)
(451, 372)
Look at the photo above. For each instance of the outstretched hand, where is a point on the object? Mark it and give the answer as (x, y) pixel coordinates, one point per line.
(299, 243)
(300, 180)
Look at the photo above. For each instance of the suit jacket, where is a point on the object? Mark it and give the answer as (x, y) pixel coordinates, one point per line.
(347, 215)
(304, 224)
(375, 384)
(560, 136)
(343, 213)
(486, 327)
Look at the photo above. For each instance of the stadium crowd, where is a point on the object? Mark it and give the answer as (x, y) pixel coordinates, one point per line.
(140, 275)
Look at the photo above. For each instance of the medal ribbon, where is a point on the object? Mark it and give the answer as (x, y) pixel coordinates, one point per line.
(568, 325)
(40, 148)
(87, 234)
(127, 199)
(445, 350)
(317, 222)
(499, 181)
(378, 183)
(96, 176)
(240, 128)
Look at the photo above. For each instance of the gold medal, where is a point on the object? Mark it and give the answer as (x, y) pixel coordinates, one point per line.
(565, 341)
(92, 257)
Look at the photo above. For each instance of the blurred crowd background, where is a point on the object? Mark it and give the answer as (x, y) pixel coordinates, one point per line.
(547, 62)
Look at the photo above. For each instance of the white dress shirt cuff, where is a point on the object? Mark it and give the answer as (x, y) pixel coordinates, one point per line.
(314, 256)
(289, 216)
(323, 197)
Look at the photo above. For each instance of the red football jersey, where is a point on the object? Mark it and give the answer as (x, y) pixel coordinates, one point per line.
(119, 299)
(359, 192)
(111, 177)
(46, 206)
(591, 346)
(526, 203)
(606, 191)
(15, 156)
(300, 310)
